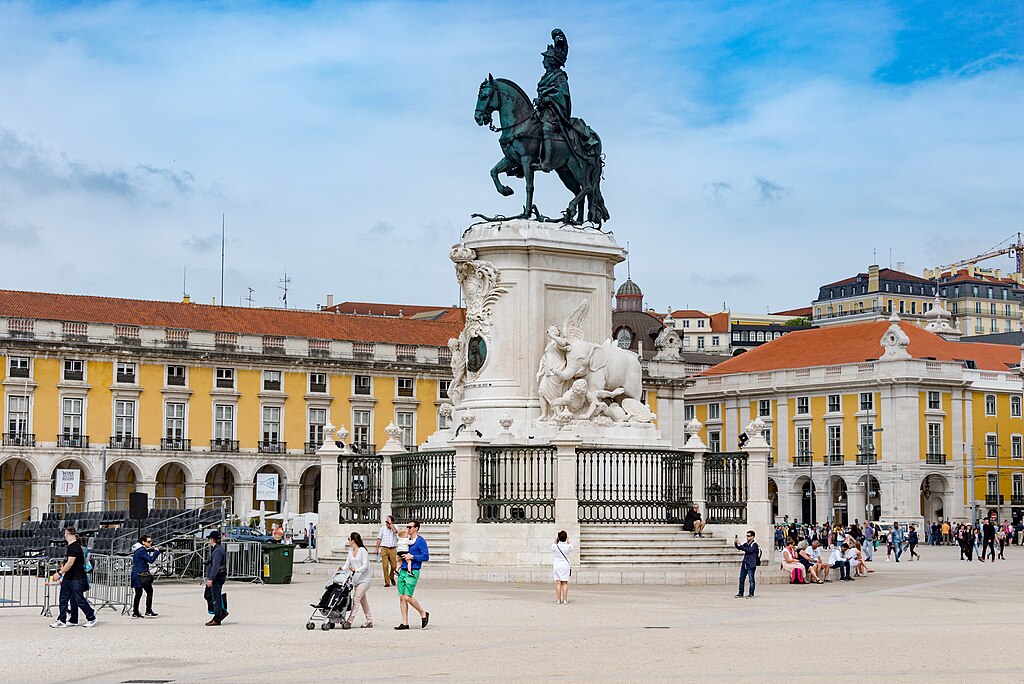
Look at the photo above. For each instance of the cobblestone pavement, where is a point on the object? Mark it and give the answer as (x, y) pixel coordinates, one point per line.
(937, 620)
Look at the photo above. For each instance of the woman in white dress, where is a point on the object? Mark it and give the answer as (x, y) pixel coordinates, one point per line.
(561, 567)
(358, 563)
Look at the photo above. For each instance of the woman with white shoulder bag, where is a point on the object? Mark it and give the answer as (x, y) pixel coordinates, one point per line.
(561, 567)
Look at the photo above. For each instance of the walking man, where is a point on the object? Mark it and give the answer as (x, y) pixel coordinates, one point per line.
(73, 584)
(988, 535)
(216, 574)
(407, 579)
(387, 540)
(751, 557)
(896, 534)
(869, 541)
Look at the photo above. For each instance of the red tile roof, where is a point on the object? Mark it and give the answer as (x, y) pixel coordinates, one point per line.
(248, 321)
(803, 312)
(857, 343)
(393, 310)
(883, 274)
(689, 313)
(720, 322)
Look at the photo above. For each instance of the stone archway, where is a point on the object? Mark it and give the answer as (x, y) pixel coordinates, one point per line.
(15, 490)
(120, 480)
(936, 496)
(309, 490)
(170, 486)
(840, 501)
(70, 504)
(773, 496)
(272, 506)
(220, 482)
(808, 493)
(874, 508)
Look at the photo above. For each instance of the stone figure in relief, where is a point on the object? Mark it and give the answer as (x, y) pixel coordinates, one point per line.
(584, 403)
(549, 385)
(668, 345)
(480, 288)
(458, 364)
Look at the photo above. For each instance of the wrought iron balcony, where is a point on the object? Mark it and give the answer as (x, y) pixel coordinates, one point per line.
(364, 449)
(802, 460)
(175, 444)
(311, 447)
(126, 378)
(835, 459)
(18, 373)
(993, 499)
(175, 380)
(75, 441)
(935, 459)
(22, 439)
(273, 447)
(866, 459)
(1017, 499)
(74, 375)
(224, 445)
(124, 442)
(771, 461)
(318, 388)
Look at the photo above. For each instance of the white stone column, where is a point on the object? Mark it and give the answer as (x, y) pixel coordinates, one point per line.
(42, 495)
(464, 529)
(195, 492)
(759, 506)
(566, 502)
(329, 536)
(695, 446)
(145, 486)
(856, 502)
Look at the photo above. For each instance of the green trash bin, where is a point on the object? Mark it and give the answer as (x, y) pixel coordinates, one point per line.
(277, 563)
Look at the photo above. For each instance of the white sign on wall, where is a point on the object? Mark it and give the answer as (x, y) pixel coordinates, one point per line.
(266, 486)
(67, 482)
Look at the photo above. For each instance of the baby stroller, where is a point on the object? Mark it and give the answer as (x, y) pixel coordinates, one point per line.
(334, 605)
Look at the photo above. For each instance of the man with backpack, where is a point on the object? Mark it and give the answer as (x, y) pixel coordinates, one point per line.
(74, 582)
(751, 559)
(216, 574)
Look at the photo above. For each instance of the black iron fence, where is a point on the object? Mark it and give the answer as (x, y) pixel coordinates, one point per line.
(422, 486)
(633, 485)
(359, 489)
(517, 484)
(725, 487)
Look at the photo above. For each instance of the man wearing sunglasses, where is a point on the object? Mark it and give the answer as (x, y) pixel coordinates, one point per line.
(407, 578)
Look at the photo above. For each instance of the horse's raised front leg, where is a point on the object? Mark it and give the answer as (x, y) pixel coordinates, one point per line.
(501, 167)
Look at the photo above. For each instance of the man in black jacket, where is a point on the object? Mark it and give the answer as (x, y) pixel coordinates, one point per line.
(988, 537)
(751, 557)
(216, 573)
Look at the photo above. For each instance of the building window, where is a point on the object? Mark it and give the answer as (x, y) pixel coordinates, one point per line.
(993, 325)
(318, 383)
(803, 441)
(768, 436)
(271, 424)
(1015, 407)
(714, 411)
(74, 369)
(714, 340)
(913, 307)
(124, 419)
(317, 420)
(902, 306)
(803, 405)
(735, 337)
(176, 376)
(867, 401)
(226, 378)
(990, 293)
(271, 381)
(1015, 447)
(977, 307)
(17, 367)
(404, 420)
(867, 438)
(714, 441)
(125, 372)
(979, 325)
(934, 401)
(991, 446)
(835, 440)
(442, 388)
(17, 415)
(175, 421)
(934, 438)
(1018, 485)
(990, 404)
(71, 418)
(405, 387)
(992, 485)
(700, 342)
(686, 324)
(992, 309)
(833, 403)
(953, 308)
(362, 384)
(1007, 307)
(361, 428)
(688, 412)
(700, 323)
(764, 408)
(224, 422)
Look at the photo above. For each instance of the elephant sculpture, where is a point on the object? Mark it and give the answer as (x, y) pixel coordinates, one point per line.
(605, 367)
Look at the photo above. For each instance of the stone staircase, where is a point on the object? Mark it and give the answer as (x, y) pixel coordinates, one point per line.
(437, 542)
(653, 545)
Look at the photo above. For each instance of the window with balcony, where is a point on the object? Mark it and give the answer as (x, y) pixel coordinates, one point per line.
(934, 439)
(700, 342)
(867, 401)
(803, 442)
(174, 427)
(442, 388)
(991, 486)
(125, 372)
(934, 401)
(991, 446)
(990, 404)
(175, 376)
(317, 418)
(271, 381)
(405, 420)
(17, 419)
(17, 367)
(405, 387)
(71, 422)
(271, 442)
(224, 423)
(834, 405)
(225, 378)
(867, 438)
(124, 419)
(74, 369)
(1015, 407)
(318, 383)
(361, 428)
(803, 406)
(1015, 447)
(362, 384)
(764, 408)
(835, 440)
(1018, 488)
(714, 411)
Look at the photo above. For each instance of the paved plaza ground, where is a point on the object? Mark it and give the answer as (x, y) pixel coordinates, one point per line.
(939, 620)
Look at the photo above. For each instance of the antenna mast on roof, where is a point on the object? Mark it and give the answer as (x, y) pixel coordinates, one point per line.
(285, 281)
(222, 259)
(249, 298)
(628, 276)
(184, 277)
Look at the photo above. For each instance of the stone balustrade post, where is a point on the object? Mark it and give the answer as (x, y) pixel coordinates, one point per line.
(328, 531)
(698, 448)
(759, 505)
(463, 531)
(567, 516)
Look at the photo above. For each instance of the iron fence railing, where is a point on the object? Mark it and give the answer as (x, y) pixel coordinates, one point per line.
(175, 444)
(124, 442)
(517, 484)
(224, 445)
(935, 459)
(273, 447)
(73, 440)
(866, 459)
(359, 488)
(725, 487)
(835, 459)
(633, 485)
(422, 485)
(22, 439)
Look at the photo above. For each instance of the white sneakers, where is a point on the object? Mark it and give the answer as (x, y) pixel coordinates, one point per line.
(58, 625)
(62, 625)
(90, 623)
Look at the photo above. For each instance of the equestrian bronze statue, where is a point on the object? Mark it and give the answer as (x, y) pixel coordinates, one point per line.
(541, 135)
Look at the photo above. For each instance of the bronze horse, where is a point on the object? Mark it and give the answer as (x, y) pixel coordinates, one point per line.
(578, 165)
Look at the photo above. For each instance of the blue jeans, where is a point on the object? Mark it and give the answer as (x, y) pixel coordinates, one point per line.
(215, 600)
(869, 549)
(746, 572)
(844, 568)
(897, 548)
(73, 592)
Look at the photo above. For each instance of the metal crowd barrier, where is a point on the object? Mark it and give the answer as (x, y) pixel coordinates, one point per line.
(110, 582)
(23, 583)
(183, 558)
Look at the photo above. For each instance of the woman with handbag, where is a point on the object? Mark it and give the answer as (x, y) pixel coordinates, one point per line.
(561, 567)
(143, 554)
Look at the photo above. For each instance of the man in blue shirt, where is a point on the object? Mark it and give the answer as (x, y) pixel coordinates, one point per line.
(751, 554)
(407, 579)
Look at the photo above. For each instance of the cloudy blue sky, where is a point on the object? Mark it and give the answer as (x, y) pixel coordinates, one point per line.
(754, 149)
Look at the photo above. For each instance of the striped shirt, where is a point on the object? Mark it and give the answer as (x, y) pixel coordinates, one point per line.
(388, 537)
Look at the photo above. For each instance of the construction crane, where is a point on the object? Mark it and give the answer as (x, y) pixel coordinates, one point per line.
(1015, 250)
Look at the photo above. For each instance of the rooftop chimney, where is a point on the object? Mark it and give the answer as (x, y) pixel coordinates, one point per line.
(873, 278)
(901, 266)
(330, 301)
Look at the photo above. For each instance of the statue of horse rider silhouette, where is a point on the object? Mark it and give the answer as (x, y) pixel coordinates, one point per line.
(541, 135)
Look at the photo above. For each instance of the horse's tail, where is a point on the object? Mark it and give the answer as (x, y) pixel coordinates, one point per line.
(597, 212)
